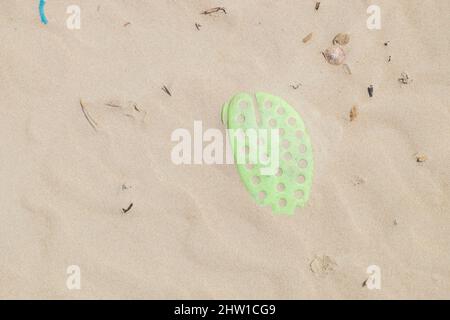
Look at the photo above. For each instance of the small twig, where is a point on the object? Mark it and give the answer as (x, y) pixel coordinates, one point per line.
(198, 26)
(112, 105)
(127, 24)
(127, 209)
(88, 117)
(166, 90)
(214, 10)
(135, 107)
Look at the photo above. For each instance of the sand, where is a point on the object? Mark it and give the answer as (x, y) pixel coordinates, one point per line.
(194, 232)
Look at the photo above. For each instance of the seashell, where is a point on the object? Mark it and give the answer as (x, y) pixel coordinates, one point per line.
(334, 55)
(342, 39)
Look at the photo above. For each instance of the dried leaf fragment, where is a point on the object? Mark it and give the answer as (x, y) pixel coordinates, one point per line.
(421, 158)
(404, 78)
(307, 38)
(341, 39)
(353, 113)
(322, 265)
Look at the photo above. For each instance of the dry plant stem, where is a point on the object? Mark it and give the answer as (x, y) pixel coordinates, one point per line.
(128, 209)
(112, 105)
(88, 117)
(166, 90)
(214, 10)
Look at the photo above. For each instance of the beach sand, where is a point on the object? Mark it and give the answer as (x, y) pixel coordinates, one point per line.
(193, 231)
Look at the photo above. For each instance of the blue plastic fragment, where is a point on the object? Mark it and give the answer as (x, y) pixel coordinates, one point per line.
(41, 11)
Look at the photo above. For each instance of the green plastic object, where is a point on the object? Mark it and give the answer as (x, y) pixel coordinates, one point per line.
(289, 185)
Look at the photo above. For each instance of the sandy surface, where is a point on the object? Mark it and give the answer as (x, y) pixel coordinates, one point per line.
(194, 232)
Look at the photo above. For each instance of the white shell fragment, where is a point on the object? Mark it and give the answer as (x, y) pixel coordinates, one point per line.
(334, 55)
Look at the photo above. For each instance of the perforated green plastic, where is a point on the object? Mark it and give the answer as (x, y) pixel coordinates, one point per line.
(290, 187)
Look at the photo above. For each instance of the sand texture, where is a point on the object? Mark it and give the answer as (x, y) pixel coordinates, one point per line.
(381, 191)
